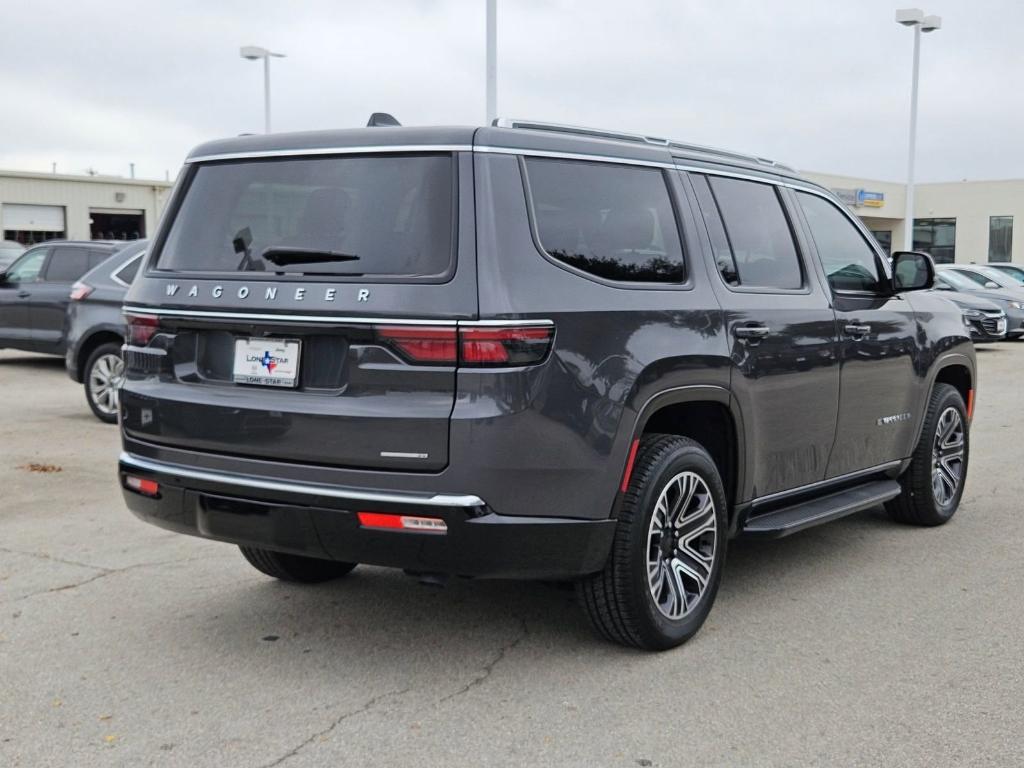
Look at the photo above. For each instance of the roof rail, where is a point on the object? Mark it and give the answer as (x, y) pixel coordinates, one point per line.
(637, 138)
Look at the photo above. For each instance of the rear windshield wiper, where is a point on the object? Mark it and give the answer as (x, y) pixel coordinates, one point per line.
(282, 256)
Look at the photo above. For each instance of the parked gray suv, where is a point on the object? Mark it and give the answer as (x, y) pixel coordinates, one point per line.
(529, 351)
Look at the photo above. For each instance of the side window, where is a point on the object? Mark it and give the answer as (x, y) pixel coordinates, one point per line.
(850, 263)
(127, 273)
(758, 233)
(26, 269)
(611, 221)
(97, 257)
(67, 265)
(716, 232)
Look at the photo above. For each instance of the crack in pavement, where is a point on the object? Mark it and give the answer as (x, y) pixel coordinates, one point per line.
(334, 724)
(103, 572)
(44, 556)
(488, 668)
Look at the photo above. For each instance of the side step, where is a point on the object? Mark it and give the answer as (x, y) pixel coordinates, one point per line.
(824, 509)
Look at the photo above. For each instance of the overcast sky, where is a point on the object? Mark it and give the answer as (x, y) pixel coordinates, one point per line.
(819, 84)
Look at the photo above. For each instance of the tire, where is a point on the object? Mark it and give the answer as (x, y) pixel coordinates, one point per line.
(621, 602)
(102, 377)
(927, 497)
(297, 568)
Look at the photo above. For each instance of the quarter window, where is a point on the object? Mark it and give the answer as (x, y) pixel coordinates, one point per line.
(610, 221)
(128, 271)
(758, 234)
(850, 263)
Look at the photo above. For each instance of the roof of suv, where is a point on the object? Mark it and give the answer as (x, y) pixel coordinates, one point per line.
(504, 135)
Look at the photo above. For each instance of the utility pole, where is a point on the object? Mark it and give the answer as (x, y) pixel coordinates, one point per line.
(492, 60)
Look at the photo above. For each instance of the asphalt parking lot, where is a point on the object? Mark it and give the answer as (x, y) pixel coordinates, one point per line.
(858, 643)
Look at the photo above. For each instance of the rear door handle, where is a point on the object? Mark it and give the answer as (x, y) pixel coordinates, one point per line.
(856, 330)
(750, 332)
(23, 294)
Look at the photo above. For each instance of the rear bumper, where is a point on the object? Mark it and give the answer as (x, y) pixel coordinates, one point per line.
(321, 521)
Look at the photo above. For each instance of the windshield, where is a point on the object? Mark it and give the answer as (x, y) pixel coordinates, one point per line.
(958, 281)
(388, 216)
(998, 277)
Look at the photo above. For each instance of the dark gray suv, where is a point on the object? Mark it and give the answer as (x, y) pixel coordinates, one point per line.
(529, 351)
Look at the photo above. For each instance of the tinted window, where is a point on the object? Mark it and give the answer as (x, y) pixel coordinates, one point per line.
(716, 232)
(850, 263)
(611, 221)
(26, 269)
(758, 232)
(128, 271)
(395, 213)
(67, 265)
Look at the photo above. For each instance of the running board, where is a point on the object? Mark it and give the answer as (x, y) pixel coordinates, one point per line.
(824, 509)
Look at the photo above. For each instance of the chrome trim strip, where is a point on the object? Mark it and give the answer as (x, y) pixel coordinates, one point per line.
(403, 455)
(826, 482)
(573, 156)
(504, 323)
(375, 150)
(307, 489)
(334, 319)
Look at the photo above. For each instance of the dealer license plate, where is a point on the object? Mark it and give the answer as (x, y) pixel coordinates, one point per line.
(268, 362)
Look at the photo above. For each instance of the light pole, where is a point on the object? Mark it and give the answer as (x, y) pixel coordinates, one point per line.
(253, 53)
(914, 17)
(492, 60)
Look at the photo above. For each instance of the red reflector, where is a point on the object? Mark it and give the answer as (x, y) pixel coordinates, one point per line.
(402, 522)
(143, 486)
(421, 344)
(513, 345)
(970, 404)
(629, 466)
(142, 328)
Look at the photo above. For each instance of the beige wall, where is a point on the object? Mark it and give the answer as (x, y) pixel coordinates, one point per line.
(971, 203)
(80, 193)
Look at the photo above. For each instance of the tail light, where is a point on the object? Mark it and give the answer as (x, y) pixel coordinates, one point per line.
(142, 485)
(504, 346)
(80, 290)
(141, 328)
(477, 346)
(417, 344)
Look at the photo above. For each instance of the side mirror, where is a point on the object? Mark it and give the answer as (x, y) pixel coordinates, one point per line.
(912, 271)
(943, 286)
(991, 284)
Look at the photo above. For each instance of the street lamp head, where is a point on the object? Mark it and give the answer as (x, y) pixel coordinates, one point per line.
(931, 23)
(909, 17)
(255, 52)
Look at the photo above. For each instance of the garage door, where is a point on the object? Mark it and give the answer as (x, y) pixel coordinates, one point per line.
(33, 218)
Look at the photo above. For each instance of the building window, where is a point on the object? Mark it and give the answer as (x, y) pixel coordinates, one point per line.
(936, 237)
(884, 238)
(1000, 238)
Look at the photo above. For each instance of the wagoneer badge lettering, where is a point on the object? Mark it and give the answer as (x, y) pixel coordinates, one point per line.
(269, 294)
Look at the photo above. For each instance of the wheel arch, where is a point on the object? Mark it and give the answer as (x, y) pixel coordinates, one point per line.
(956, 369)
(98, 337)
(708, 414)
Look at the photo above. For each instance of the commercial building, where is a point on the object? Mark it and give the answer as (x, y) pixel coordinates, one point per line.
(44, 206)
(954, 221)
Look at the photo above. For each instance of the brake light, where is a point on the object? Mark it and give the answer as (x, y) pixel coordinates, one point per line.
(142, 485)
(420, 344)
(402, 522)
(142, 328)
(498, 345)
(504, 345)
(80, 290)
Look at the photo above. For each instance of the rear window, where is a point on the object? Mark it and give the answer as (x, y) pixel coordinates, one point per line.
(611, 221)
(378, 216)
